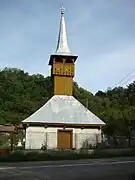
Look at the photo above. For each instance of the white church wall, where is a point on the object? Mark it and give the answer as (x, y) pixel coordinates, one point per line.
(36, 137)
(84, 136)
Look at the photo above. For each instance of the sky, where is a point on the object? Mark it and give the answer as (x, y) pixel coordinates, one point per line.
(100, 32)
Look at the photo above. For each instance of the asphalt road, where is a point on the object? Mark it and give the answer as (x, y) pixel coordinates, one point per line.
(103, 169)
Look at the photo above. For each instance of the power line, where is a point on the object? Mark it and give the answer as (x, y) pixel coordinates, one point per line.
(128, 80)
(119, 82)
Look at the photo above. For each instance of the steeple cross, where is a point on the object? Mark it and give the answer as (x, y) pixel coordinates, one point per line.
(62, 10)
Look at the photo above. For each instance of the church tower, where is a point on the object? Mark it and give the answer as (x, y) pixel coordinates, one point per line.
(62, 122)
(62, 63)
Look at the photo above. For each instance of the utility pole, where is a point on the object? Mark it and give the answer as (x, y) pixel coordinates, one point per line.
(129, 134)
(87, 103)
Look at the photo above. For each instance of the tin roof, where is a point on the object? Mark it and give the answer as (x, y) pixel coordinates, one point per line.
(10, 127)
(64, 109)
(7, 128)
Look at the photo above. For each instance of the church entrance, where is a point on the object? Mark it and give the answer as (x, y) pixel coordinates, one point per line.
(64, 139)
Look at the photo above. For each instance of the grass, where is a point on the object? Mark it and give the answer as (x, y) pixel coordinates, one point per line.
(53, 155)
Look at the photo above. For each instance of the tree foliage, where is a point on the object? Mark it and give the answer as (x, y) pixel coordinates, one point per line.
(22, 94)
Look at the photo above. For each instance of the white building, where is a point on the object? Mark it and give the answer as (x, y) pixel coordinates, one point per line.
(63, 122)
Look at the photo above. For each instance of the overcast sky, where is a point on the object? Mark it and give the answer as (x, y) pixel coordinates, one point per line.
(100, 32)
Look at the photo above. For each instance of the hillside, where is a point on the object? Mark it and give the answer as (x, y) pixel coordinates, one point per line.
(22, 94)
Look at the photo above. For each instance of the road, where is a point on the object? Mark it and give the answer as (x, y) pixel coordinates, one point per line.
(101, 169)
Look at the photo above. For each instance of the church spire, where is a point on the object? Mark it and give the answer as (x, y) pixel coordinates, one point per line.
(62, 50)
(62, 47)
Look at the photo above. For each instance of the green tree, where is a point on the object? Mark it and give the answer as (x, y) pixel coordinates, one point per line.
(22, 94)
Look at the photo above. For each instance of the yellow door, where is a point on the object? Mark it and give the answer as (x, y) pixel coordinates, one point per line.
(64, 140)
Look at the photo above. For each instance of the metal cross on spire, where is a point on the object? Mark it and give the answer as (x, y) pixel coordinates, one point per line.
(62, 9)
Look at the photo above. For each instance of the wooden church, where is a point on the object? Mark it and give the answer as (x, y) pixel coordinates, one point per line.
(63, 122)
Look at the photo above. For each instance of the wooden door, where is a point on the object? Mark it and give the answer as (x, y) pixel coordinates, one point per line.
(64, 139)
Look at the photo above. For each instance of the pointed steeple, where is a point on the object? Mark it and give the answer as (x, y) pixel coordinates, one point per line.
(62, 46)
(62, 50)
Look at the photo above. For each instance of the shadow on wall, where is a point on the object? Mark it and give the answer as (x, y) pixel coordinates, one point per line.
(44, 146)
(91, 143)
(87, 144)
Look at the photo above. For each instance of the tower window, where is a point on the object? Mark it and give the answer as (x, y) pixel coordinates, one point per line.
(68, 61)
(58, 60)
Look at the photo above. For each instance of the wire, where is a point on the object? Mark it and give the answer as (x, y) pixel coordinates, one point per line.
(119, 82)
(128, 80)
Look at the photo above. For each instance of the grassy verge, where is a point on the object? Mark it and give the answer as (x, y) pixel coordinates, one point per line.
(52, 155)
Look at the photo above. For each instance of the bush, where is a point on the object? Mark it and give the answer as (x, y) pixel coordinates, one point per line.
(18, 156)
